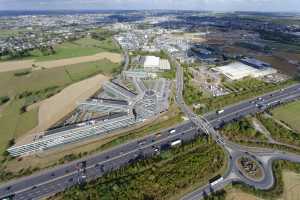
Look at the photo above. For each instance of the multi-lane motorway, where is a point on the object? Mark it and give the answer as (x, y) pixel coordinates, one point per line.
(51, 181)
(54, 180)
(213, 120)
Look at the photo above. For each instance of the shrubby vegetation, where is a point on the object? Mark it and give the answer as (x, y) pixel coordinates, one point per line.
(160, 54)
(171, 172)
(22, 73)
(32, 97)
(4, 99)
(243, 89)
(242, 130)
(280, 133)
(219, 195)
(191, 94)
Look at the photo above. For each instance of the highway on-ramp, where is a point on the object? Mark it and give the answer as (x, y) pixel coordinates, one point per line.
(57, 179)
(51, 181)
(216, 119)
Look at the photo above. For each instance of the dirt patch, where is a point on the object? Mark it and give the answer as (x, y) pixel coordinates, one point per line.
(239, 195)
(280, 64)
(291, 185)
(194, 37)
(55, 108)
(15, 65)
(28, 64)
(291, 182)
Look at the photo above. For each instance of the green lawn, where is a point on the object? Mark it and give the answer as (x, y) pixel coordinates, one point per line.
(82, 47)
(36, 86)
(80, 71)
(279, 132)
(290, 114)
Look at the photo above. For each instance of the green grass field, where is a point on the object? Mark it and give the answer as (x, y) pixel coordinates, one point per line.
(37, 86)
(290, 114)
(82, 47)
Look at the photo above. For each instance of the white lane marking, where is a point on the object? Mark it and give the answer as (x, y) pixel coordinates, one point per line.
(111, 159)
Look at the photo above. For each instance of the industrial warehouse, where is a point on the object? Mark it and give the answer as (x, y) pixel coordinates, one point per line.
(246, 67)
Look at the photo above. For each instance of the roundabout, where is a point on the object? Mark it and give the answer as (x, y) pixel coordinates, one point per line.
(250, 168)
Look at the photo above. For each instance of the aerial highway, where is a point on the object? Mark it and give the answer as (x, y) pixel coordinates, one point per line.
(51, 181)
(216, 119)
(57, 179)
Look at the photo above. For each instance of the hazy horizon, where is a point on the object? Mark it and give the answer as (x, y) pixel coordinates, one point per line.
(195, 5)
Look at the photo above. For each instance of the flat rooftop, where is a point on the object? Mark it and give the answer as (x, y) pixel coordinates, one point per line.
(151, 61)
(238, 70)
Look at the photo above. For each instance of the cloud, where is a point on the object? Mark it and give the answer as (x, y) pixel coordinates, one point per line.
(218, 5)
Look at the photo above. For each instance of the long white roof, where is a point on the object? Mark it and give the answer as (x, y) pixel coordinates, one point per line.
(239, 70)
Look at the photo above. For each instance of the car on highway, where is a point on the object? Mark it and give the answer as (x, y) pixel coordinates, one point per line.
(172, 131)
(176, 143)
(220, 112)
(141, 143)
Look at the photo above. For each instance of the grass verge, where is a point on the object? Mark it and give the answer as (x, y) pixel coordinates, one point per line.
(289, 114)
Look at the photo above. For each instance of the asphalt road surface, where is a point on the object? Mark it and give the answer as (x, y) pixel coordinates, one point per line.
(58, 179)
(211, 121)
(216, 119)
(51, 181)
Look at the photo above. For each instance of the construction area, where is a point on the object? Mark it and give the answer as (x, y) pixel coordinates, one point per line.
(115, 107)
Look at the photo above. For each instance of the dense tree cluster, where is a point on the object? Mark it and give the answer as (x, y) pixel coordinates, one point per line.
(172, 172)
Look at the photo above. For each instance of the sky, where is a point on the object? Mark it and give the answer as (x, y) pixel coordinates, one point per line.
(213, 5)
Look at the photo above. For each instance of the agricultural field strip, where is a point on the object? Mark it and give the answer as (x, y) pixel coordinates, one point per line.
(28, 64)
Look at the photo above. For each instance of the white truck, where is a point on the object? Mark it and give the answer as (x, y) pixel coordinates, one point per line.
(220, 112)
(216, 180)
(176, 143)
(172, 131)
